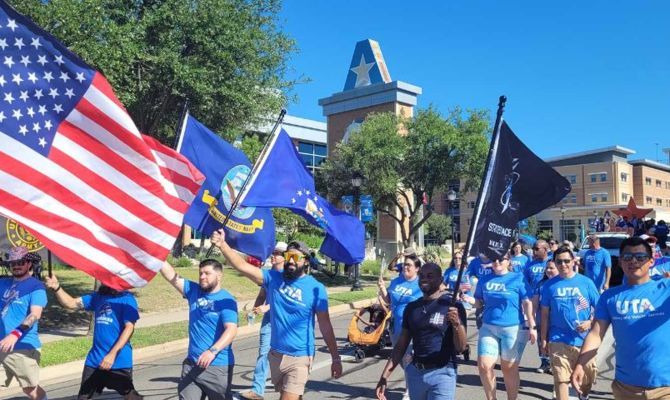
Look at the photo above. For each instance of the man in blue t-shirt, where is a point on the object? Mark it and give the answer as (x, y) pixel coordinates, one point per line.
(597, 264)
(212, 326)
(109, 363)
(534, 271)
(23, 299)
(567, 303)
(639, 314)
(295, 299)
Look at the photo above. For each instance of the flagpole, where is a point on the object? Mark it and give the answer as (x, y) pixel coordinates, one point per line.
(237, 198)
(468, 244)
(178, 246)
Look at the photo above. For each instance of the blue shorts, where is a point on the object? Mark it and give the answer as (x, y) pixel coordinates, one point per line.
(508, 342)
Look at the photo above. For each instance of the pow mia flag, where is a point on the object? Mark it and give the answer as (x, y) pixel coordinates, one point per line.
(516, 185)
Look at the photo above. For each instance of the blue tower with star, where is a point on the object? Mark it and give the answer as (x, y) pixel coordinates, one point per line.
(368, 88)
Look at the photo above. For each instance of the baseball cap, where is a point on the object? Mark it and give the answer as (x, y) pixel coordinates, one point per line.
(298, 245)
(281, 247)
(17, 253)
(648, 238)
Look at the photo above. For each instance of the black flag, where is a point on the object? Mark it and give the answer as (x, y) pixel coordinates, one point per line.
(516, 185)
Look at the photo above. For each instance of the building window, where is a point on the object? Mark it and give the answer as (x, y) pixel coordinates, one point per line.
(603, 177)
(647, 199)
(659, 202)
(624, 197)
(594, 198)
(593, 178)
(471, 204)
(313, 154)
(647, 181)
(571, 198)
(624, 177)
(469, 221)
(603, 197)
(571, 178)
(658, 183)
(545, 226)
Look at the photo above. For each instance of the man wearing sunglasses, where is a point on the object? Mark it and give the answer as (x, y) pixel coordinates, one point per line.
(295, 299)
(639, 313)
(567, 302)
(23, 299)
(262, 307)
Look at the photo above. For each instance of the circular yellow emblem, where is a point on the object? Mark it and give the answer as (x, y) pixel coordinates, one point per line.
(18, 236)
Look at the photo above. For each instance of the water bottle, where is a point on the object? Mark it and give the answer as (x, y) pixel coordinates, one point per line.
(251, 318)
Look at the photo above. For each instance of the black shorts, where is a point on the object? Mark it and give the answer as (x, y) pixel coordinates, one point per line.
(95, 380)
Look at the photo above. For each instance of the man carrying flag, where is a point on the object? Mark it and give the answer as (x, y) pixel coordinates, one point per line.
(295, 299)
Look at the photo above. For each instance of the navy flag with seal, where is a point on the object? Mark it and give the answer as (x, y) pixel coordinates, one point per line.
(517, 184)
(249, 230)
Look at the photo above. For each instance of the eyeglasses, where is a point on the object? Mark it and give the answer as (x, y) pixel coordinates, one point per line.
(294, 255)
(561, 261)
(639, 257)
(552, 242)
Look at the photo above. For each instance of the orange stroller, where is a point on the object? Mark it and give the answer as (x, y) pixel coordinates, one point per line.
(374, 335)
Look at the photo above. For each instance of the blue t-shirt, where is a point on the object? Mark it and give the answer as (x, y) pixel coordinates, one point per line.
(569, 301)
(17, 298)
(207, 314)
(293, 304)
(640, 318)
(478, 269)
(534, 272)
(595, 264)
(502, 296)
(402, 292)
(519, 262)
(111, 314)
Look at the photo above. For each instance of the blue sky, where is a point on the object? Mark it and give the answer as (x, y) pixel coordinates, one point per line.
(578, 75)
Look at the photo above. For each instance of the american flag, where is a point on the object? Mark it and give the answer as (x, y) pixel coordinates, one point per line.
(74, 169)
(581, 304)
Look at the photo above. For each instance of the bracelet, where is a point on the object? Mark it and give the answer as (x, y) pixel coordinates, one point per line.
(213, 349)
(17, 333)
(57, 289)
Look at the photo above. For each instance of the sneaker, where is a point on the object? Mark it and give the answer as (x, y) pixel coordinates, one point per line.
(586, 397)
(544, 368)
(250, 395)
(405, 396)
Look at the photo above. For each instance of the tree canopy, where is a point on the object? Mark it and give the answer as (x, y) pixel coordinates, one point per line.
(406, 162)
(227, 58)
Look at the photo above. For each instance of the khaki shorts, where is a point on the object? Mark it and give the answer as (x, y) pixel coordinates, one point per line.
(563, 360)
(24, 365)
(289, 374)
(621, 391)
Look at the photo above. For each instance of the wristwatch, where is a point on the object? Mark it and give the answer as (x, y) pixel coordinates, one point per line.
(214, 350)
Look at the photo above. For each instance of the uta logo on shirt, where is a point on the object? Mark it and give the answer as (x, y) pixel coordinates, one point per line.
(637, 306)
(496, 287)
(568, 291)
(294, 293)
(403, 291)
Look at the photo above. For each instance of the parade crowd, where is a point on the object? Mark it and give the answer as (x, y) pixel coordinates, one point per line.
(544, 296)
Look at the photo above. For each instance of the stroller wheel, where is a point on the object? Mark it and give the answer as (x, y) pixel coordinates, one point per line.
(382, 342)
(359, 355)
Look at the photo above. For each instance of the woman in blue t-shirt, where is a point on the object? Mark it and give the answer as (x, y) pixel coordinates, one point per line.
(403, 290)
(550, 271)
(519, 259)
(504, 297)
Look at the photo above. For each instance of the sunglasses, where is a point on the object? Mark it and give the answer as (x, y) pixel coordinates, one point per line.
(538, 248)
(639, 257)
(277, 253)
(561, 261)
(294, 255)
(16, 263)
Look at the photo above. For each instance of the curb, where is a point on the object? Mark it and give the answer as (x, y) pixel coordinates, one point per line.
(71, 370)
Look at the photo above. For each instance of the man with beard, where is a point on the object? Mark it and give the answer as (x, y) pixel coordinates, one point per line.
(207, 370)
(294, 298)
(436, 327)
(23, 299)
(109, 363)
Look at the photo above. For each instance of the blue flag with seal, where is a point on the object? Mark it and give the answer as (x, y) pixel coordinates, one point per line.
(249, 230)
(282, 180)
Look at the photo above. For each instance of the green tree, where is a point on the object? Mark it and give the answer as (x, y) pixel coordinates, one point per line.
(438, 227)
(227, 58)
(405, 161)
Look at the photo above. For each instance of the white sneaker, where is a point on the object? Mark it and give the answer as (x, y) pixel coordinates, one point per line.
(405, 395)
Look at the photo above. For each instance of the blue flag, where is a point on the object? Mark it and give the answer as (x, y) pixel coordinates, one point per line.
(282, 180)
(250, 230)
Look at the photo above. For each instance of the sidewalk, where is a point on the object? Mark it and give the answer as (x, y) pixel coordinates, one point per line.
(154, 318)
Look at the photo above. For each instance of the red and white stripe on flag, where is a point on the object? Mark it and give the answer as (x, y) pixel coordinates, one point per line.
(106, 199)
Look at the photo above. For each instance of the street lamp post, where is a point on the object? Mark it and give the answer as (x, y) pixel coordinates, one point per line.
(595, 220)
(562, 223)
(451, 197)
(356, 182)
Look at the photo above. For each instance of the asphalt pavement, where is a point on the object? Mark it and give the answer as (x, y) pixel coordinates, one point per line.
(157, 378)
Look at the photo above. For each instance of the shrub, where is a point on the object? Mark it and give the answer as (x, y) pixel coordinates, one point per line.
(181, 262)
(370, 267)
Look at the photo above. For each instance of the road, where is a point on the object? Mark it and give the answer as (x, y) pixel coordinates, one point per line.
(157, 379)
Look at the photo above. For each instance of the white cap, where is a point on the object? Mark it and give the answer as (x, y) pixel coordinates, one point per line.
(281, 246)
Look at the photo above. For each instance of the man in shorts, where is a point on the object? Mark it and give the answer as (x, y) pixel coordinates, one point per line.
(295, 299)
(22, 300)
(567, 303)
(207, 370)
(109, 363)
(638, 312)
